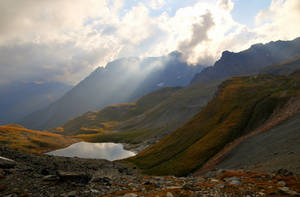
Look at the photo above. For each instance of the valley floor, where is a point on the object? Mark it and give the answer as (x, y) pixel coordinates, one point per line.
(32, 175)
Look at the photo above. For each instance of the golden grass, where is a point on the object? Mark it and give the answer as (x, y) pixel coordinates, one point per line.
(18, 137)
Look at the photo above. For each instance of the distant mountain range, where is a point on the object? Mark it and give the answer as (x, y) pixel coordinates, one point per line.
(250, 61)
(19, 99)
(123, 80)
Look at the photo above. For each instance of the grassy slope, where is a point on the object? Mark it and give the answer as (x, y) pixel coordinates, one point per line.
(16, 136)
(240, 105)
(150, 117)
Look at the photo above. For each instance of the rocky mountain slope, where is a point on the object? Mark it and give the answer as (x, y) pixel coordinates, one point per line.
(240, 105)
(250, 61)
(122, 80)
(44, 175)
(274, 149)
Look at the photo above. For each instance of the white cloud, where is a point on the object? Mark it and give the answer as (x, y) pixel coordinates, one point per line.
(279, 21)
(157, 4)
(65, 40)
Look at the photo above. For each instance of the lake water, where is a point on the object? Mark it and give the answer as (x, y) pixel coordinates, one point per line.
(109, 151)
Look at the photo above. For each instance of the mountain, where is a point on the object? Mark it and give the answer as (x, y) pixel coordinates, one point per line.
(283, 68)
(250, 61)
(144, 121)
(153, 116)
(19, 99)
(122, 80)
(18, 137)
(241, 105)
(269, 151)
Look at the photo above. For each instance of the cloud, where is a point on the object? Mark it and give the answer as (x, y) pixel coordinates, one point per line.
(44, 62)
(225, 4)
(63, 40)
(199, 35)
(278, 21)
(157, 4)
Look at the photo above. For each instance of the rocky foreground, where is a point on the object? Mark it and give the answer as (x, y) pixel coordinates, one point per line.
(33, 175)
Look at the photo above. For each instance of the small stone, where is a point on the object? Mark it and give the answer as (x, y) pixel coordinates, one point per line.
(7, 163)
(281, 183)
(94, 191)
(286, 190)
(214, 180)
(72, 194)
(233, 180)
(221, 186)
(169, 194)
(50, 178)
(130, 195)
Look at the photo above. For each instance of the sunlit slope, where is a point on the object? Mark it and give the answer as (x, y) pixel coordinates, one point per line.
(240, 105)
(16, 136)
(149, 118)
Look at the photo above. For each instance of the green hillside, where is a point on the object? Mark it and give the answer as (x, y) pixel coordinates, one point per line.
(240, 105)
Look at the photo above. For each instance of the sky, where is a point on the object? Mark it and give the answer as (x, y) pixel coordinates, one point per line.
(65, 40)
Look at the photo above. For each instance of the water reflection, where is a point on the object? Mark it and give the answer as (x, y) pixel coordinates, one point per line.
(109, 151)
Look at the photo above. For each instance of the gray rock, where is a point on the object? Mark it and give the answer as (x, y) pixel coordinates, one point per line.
(281, 183)
(286, 190)
(7, 163)
(130, 195)
(233, 180)
(50, 178)
(169, 194)
(72, 194)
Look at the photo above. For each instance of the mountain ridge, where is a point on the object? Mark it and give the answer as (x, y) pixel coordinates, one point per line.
(249, 61)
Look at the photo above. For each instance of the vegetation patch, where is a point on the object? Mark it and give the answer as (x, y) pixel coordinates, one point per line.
(18, 137)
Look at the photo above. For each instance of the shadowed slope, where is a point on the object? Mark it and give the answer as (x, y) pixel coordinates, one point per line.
(284, 68)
